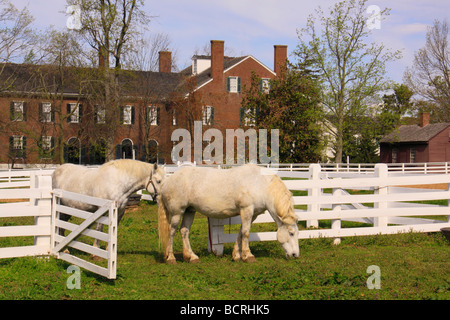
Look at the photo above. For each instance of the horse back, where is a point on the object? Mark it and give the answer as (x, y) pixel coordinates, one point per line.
(216, 192)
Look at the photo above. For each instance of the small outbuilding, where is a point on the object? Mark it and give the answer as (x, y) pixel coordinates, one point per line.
(426, 142)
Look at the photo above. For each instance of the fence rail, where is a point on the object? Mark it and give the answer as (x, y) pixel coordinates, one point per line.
(380, 202)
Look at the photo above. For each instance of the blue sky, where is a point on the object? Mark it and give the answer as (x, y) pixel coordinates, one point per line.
(254, 26)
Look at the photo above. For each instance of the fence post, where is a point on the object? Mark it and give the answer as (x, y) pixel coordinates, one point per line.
(314, 174)
(215, 230)
(112, 241)
(382, 173)
(336, 223)
(42, 182)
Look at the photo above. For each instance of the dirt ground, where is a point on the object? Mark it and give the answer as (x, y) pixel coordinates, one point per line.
(440, 186)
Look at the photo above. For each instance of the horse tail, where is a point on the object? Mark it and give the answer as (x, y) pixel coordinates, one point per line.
(163, 225)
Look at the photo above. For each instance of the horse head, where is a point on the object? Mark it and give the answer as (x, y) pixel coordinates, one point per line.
(287, 236)
(155, 180)
(283, 203)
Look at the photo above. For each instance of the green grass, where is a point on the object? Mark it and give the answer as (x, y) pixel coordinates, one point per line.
(413, 266)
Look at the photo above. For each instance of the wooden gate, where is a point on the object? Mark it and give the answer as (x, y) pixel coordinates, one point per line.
(80, 237)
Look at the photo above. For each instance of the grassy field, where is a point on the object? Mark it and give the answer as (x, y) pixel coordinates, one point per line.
(413, 266)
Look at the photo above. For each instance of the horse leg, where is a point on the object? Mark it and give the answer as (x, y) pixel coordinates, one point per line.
(99, 228)
(188, 218)
(237, 247)
(241, 248)
(63, 217)
(174, 222)
(61, 231)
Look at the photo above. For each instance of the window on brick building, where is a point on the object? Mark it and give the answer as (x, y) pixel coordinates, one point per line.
(153, 114)
(264, 85)
(234, 84)
(18, 111)
(208, 115)
(99, 114)
(46, 114)
(74, 112)
(127, 115)
(248, 117)
(46, 147)
(17, 146)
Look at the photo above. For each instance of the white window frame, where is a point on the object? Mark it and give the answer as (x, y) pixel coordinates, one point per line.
(75, 115)
(265, 85)
(46, 112)
(46, 143)
(17, 142)
(153, 115)
(249, 117)
(127, 117)
(207, 115)
(18, 111)
(100, 114)
(234, 83)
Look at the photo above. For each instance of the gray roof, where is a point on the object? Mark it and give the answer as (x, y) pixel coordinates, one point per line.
(26, 79)
(414, 133)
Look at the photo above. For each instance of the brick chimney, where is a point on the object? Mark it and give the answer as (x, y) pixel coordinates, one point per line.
(280, 58)
(424, 119)
(165, 61)
(217, 56)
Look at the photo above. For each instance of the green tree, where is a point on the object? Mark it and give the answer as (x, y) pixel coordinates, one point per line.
(394, 107)
(362, 133)
(429, 76)
(352, 70)
(292, 105)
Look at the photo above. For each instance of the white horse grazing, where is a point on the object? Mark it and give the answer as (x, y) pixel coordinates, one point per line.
(217, 193)
(115, 180)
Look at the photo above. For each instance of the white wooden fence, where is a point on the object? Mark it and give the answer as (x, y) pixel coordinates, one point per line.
(29, 195)
(388, 207)
(32, 196)
(106, 214)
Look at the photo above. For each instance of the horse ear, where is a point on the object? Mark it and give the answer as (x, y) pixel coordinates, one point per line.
(155, 166)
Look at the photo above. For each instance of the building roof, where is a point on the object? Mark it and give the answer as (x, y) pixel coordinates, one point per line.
(414, 133)
(46, 79)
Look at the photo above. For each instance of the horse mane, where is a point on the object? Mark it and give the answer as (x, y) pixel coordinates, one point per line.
(282, 200)
(134, 168)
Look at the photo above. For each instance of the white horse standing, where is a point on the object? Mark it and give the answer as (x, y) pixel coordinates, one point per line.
(219, 194)
(115, 180)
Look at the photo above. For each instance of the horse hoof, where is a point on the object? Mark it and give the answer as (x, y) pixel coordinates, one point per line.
(171, 261)
(250, 259)
(196, 260)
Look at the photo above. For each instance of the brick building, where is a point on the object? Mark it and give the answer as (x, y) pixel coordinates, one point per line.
(43, 120)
